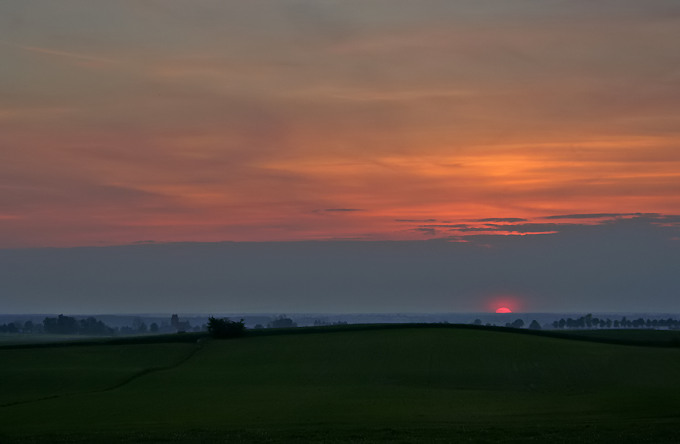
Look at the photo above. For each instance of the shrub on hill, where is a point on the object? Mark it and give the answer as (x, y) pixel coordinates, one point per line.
(225, 328)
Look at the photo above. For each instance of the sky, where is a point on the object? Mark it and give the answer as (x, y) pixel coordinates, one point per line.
(467, 127)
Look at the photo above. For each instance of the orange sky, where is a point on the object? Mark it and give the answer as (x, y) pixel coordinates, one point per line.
(168, 121)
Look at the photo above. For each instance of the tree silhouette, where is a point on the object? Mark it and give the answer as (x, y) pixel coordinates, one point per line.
(518, 323)
(282, 322)
(225, 328)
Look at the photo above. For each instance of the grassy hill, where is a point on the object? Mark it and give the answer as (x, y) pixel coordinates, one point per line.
(403, 384)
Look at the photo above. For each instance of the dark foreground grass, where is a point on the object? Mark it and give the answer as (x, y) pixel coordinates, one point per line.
(28, 375)
(450, 433)
(651, 337)
(381, 385)
(642, 337)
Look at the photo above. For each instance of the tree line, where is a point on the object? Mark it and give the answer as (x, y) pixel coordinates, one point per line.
(61, 325)
(593, 322)
(590, 321)
(69, 325)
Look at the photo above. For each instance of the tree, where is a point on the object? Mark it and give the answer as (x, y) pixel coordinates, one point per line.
(62, 325)
(282, 322)
(518, 323)
(225, 328)
(139, 325)
(534, 325)
(92, 326)
(589, 320)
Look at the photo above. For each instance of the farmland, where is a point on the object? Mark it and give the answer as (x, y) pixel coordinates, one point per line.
(363, 385)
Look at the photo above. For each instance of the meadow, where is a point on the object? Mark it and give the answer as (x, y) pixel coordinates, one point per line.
(353, 384)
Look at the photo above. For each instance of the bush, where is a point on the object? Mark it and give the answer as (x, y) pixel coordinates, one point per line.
(224, 328)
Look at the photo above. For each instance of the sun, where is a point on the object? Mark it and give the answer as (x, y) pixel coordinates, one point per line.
(504, 303)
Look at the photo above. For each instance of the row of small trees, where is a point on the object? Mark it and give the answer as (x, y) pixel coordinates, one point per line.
(590, 321)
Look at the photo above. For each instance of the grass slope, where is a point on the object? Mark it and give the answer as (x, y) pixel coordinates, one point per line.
(370, 385)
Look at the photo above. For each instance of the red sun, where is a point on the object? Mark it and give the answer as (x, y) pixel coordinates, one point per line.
(503, 310)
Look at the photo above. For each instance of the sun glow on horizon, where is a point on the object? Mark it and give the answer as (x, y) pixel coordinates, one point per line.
(503, 310)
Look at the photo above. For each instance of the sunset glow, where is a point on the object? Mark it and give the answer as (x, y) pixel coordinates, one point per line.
(503, 310)
(335, 120)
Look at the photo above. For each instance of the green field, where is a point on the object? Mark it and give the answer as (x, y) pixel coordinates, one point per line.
(353, 385)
